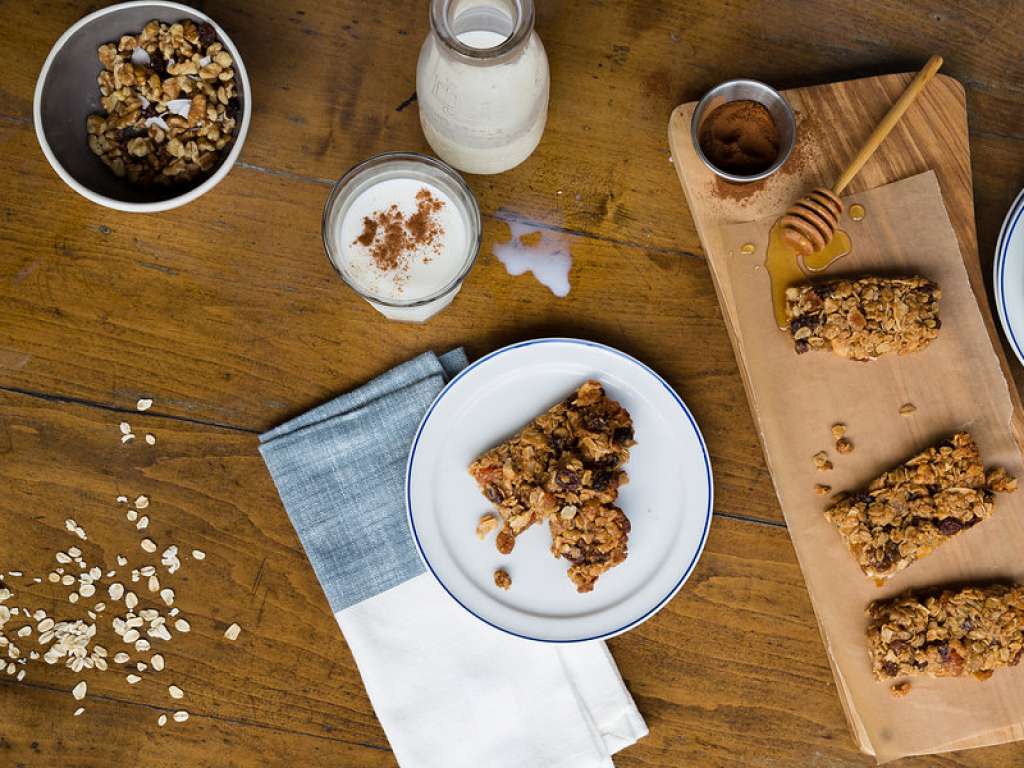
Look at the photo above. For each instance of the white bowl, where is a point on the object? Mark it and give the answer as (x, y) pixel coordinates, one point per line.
(67, 93)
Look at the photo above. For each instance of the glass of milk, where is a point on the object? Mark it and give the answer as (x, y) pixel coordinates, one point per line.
(482, 83)
(403, 230)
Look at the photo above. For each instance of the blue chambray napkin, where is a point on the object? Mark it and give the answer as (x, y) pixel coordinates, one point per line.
(450, 691)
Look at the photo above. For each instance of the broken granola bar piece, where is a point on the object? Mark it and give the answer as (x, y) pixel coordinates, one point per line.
(970, 631)
(911, 509)
(501, 579)
(571, 454)
(592, 537)
(864, 318)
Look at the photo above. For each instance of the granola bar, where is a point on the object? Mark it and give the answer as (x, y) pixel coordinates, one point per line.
(947, 634)
(571, 456)
(911, 509)
(592, 537)
(864, 318)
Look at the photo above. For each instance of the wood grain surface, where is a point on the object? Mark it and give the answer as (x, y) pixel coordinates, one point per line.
(228, 315)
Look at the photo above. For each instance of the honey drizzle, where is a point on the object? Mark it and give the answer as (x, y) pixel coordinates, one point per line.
(785, 269)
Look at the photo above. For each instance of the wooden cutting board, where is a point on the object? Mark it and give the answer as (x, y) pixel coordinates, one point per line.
(833, 121)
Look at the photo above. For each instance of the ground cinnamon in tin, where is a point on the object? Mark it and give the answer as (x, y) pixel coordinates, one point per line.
(740, 137)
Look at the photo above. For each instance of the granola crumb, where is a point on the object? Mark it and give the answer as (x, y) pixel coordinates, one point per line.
(502, 579)
(486, 524)
(822, 490)
(821, 461)
(899, 690)
(907, 408)
(843, 445)
(838, 430)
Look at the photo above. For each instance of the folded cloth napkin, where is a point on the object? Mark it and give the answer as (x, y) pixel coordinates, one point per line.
(450, 691)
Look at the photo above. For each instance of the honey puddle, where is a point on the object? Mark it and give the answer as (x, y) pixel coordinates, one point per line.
(784, 265)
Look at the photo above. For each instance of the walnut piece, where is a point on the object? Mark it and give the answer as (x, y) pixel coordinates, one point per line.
(911, 509)
(970, 631)
(864, 318)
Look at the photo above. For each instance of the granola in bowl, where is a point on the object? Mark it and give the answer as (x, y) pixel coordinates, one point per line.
(910, 510)
(170, 104)
(566, 468)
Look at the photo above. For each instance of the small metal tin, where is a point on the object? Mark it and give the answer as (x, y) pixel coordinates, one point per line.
(752, 90)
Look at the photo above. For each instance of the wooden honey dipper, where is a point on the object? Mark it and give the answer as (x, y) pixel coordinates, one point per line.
(810, 223)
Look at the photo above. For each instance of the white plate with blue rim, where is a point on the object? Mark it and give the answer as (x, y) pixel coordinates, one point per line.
(1008, 276)
(668, 498)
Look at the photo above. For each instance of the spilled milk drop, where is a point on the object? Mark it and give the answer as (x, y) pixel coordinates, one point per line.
(545, 254)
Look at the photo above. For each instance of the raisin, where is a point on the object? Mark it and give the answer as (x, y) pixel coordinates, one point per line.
(890, 668)
(1016, 658)
(233, 108)
(967, 625)
(158, 64)
(149, 110)
(950, 525)
(207, 35)
(505, 541)
(898, 645)
(567, 479)
(602, 479)
(622, 434)
(493, 493)
(801, 346)
(595, 423)
(944, 652)
(804, 321)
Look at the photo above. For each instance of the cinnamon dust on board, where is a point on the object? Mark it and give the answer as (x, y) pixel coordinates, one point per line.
(394, 239)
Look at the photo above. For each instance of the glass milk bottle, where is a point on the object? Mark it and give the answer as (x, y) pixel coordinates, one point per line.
(482, 83)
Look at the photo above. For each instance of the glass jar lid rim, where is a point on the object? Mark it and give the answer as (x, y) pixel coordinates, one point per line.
(441, 26)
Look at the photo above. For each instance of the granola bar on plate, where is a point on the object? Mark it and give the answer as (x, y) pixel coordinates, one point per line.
(864, 318)
(566, 460)
(947, 634)
(911, 509)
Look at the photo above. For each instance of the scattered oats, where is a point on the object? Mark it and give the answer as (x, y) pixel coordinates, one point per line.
(143, 523)
(899, 690)
(100, 607)
(126, 438)
(122, 560)
(149, 614)
(232, 632)
(25, 631)
(79, 711)
(173, 612)
(130, 600)
(821, 461)
(158, 662)
(141, 666)
(150, 440)
(63, 557)
(73, 597)
(154, 584)
(160, 631)
(176, 692)
(20, 676)
(133, 679)
(485, 525)
(843, 445)
(45, 625)
(182, 626)
(147, 570)
(67, 579)
(122, 658)
(130, 636)
(907, 408)
(148, 545)
(161, 721)
(79, 691)
(116, 590)
(95, 573)
(39, 615)
(180, 716)
(198, 554)
(14, 573)
(122, 499)
(80, 533)
(167, 595)
(142, 645)
(37, 580)
(126, 428)
(144, 404)
(132, 515)
(53, 577)
(91, 615)
(87, 590)
(822, 490)
(70, 524)
(142, 502)
(74, 552)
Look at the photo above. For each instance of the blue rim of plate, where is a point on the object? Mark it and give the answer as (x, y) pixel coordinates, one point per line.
(675, 396)
(1002, 245)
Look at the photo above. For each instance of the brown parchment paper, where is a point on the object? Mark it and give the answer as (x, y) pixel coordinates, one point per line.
(956, 383)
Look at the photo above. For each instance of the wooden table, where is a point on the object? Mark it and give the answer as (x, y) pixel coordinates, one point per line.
(228, 315)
